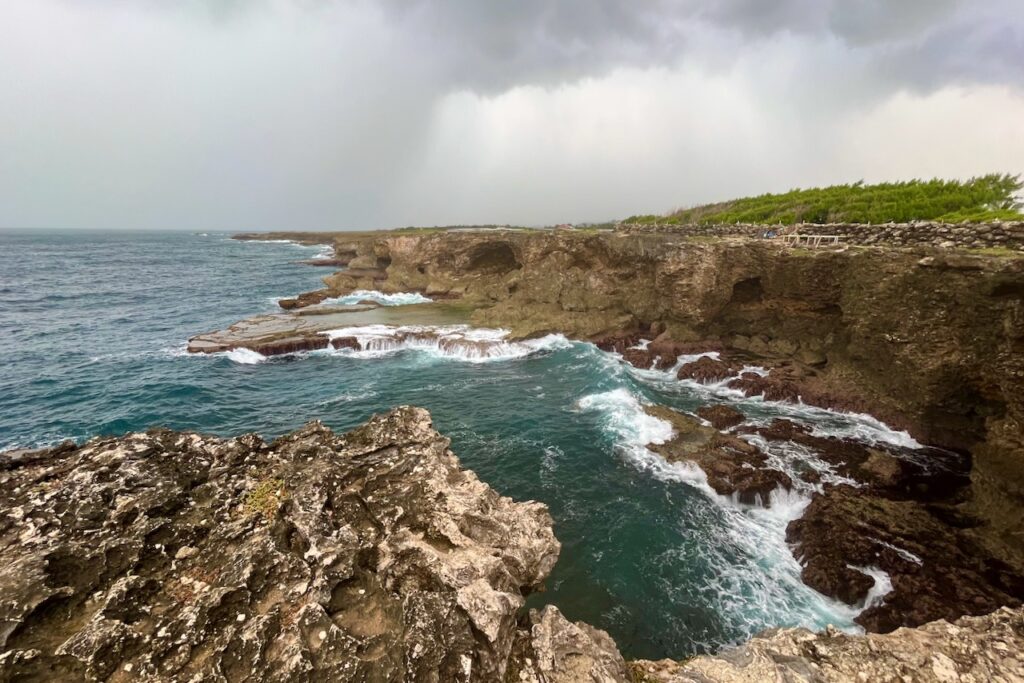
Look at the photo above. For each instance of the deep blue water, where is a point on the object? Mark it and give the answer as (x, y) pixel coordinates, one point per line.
(92, 331)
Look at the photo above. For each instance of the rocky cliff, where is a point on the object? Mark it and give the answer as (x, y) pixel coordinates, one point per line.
(367, 556)
(930, 340)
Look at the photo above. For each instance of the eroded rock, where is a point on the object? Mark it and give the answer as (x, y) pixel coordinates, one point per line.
(721, 416)
(733, 466)
(176, 556)
(987, 648)
(707, 370)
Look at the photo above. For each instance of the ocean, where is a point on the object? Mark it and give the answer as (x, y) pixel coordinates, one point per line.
(93, 328)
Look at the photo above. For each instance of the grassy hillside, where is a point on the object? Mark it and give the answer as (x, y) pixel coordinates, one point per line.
(990, 197)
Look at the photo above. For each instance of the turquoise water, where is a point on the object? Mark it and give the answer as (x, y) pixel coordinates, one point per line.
(93, 326)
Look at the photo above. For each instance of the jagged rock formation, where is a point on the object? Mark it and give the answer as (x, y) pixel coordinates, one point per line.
(733, 467)
(363, 556)
(987, 648)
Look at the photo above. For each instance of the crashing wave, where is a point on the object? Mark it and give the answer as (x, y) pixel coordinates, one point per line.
(751, 539)
(823, 421)
(461, 342)
(245, 356)
(397, 299)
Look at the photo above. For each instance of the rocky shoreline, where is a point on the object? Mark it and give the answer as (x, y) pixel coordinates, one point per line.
(364, 556)
(928, 340)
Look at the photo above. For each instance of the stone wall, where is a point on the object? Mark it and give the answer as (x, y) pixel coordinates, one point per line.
(948, 235)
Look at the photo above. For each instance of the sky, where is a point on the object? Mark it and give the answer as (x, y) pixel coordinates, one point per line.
(347, 114)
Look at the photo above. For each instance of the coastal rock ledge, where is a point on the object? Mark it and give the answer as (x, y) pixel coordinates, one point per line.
(175, 556)
(367, 556)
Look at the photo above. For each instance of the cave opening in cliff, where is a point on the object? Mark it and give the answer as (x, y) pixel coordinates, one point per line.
(493, 257)
(747, 291)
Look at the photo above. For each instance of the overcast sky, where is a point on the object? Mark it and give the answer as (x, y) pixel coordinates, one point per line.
(334, 114)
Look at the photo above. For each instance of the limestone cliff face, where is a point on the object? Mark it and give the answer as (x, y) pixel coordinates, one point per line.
(929, 340)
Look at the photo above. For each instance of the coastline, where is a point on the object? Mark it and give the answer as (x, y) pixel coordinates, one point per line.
(745, 320)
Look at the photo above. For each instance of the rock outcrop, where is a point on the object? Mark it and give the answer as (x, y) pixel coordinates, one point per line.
(987, 648)
(365, 556)
(733, 467)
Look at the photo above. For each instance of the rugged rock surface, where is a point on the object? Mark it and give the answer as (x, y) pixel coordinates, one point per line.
(720, 416)
(364, 556)
(553, 650)
(903, 516)
(733, 466)
(707, 370)
(270, 334)
(971, 649)
(367, 556)
(936, 570)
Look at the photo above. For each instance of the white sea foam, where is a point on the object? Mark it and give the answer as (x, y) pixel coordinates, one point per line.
(823, 421)
(459, 342)
(397, 299)
(757, 580)
(245, 356)
(794, 459)
(905, 554)
(881, 588)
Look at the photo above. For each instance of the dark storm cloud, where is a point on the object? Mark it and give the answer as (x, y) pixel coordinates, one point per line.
(491, 46)
(363, 113)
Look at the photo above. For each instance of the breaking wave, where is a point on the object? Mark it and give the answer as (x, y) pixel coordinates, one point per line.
(823, 421)
(755, 578)
(397, 299)
(460, 342)
(245, 356)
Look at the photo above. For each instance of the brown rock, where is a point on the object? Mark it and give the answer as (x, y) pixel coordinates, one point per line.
(707, 370)
(937, 570)
(721, 416)
(772, 387)
(346, 343)
(290, 345)
(733, 466)
(305, 299)
(174, 556)
(325, 262)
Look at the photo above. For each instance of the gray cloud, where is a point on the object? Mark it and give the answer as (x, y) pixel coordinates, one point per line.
(351, 113)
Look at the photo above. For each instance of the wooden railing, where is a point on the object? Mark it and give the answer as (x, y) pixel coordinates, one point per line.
(812, 241)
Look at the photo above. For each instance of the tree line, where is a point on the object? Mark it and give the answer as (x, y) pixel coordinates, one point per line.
(985, 198)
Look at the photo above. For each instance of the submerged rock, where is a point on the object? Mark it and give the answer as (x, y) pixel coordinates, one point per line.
(177, 556)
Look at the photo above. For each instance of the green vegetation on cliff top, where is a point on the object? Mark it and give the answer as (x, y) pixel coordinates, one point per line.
(990, 197)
